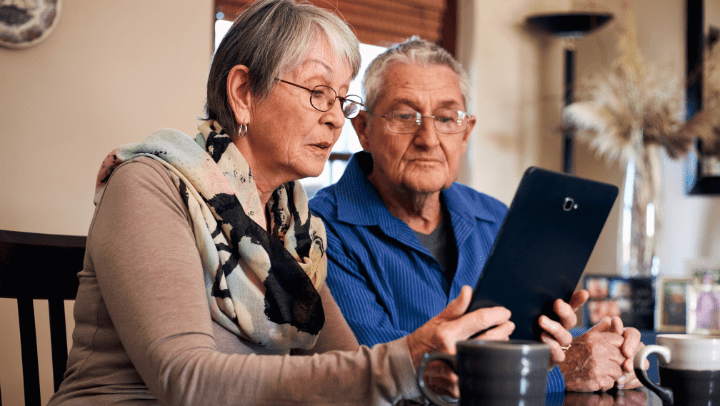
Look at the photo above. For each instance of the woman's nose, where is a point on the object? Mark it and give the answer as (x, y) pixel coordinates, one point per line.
(335, 116)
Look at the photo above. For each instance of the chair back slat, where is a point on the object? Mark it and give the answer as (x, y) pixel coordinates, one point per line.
(58, 340)
(40, 266)
(28, 351)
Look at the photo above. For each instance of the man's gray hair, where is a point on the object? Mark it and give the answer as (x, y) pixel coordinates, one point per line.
(412, 51)
(272, 37)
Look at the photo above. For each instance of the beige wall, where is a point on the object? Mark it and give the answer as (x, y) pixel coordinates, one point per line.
(516, 93)
(517, 83)
(111, 73)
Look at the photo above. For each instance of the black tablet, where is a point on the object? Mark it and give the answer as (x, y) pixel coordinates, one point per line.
(542, 247)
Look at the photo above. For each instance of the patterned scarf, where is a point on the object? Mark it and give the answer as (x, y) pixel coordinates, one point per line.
(261, 285)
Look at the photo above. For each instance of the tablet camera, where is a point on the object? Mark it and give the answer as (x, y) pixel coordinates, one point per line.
(569, 204)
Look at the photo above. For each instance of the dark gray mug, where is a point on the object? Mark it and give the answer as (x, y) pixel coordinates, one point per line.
(689, 367)
(512, 372)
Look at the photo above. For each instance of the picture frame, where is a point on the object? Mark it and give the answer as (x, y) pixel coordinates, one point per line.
(671, 299)
(702, 171)
(703, 312)
(631, 299)
(703, 270)
(600, 304)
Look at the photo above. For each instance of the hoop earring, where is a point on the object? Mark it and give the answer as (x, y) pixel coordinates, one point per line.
(242, 130)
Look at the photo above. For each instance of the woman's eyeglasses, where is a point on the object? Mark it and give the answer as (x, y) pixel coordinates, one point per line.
(323, 97)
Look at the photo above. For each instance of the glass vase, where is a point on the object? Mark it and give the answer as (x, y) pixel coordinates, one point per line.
(641, 211)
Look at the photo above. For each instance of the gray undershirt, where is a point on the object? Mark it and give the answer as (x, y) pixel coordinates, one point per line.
(441, 244)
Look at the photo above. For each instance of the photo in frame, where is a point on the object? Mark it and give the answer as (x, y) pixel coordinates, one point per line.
(703, 313)
(631, 299)
(671, 309)
(704, 270)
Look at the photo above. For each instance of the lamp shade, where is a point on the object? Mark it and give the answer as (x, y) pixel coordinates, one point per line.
(571, 24)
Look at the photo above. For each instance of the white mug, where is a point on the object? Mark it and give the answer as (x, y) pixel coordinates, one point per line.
(689, 367)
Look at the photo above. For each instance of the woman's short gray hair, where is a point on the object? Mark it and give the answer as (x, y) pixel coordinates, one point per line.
(272, 37)
(412, 51)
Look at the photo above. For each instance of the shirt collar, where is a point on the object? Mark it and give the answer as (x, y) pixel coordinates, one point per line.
(458, 203)
(357, 199)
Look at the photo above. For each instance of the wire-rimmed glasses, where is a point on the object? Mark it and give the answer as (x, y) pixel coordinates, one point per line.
(323, 97)
(409, 121)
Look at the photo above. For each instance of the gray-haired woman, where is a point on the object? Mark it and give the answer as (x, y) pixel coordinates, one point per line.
(204, 269)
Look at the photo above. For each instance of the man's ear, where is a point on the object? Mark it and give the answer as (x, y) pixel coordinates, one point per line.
(239, 95)
(360, 124)
(468, 130)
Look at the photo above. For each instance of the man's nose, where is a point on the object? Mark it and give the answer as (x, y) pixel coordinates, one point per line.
(427, 134)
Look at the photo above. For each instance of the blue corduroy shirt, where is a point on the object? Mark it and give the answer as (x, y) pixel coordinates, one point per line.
(385, 282)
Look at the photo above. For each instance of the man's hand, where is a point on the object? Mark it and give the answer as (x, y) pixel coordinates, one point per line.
(593, 362)
(556, 334)
(441, 333)
(629, 348)
(599, 358)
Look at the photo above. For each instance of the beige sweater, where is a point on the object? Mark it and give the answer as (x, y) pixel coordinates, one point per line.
(144, 334)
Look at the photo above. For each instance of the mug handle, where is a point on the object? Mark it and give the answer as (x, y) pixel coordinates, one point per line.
(663, 354)
(424, 362)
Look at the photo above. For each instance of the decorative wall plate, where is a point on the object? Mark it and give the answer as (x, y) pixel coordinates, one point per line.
(24, 23)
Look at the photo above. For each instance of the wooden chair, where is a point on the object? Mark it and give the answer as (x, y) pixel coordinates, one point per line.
(40, 266)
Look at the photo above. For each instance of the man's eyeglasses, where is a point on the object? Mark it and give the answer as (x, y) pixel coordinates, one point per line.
(408, 121)
(323, 97)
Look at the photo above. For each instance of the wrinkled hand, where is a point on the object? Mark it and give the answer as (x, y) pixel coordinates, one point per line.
(441, 333)
(556, 334)
(629, 348)
(595, 360)
(631, 344)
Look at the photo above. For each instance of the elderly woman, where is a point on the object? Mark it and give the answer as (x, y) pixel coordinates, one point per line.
(204, 272)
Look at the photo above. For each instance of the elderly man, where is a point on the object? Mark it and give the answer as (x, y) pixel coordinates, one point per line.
(403, 238)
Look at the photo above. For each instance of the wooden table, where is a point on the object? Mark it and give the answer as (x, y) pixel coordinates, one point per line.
(636, 397)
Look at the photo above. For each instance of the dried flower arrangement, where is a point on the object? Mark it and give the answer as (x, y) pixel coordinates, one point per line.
(634, 95)
(631, 96)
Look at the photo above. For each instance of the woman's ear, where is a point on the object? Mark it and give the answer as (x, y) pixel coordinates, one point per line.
(239, 95)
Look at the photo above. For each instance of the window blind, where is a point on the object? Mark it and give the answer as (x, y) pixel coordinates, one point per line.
(382, 22)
